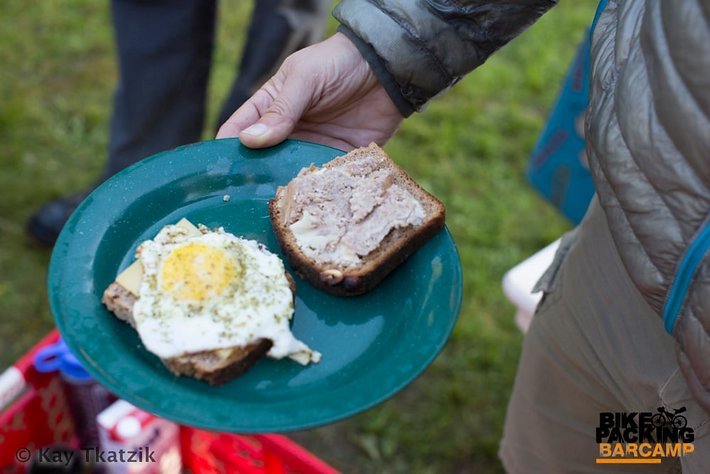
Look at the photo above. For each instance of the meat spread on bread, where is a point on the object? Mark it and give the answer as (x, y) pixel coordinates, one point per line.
(346, 225)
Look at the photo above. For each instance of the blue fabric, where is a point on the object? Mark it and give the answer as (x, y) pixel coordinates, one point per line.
(557, 168)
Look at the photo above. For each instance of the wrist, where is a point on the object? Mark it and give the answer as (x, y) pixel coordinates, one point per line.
(378, 69)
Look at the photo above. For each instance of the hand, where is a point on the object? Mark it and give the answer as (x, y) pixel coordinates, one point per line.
(325, 93)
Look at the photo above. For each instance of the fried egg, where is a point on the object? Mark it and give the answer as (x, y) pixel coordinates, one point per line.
(210, 290)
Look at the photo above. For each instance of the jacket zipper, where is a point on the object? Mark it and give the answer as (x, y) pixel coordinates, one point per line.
(688, 266)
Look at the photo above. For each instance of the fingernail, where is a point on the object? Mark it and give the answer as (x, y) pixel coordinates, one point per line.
(256, 129)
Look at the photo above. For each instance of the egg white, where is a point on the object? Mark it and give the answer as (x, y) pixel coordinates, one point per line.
(256, 302)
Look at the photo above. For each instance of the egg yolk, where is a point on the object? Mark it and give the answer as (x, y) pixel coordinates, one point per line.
(196, 271)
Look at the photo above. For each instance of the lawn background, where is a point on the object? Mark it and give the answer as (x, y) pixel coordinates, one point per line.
(469, 148)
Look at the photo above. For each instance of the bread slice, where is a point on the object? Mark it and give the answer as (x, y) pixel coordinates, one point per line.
(215, 367)
(401, 242)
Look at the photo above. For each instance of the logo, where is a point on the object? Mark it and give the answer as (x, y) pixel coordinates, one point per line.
(643, 437)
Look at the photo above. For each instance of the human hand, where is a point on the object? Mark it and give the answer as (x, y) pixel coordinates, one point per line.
(325, 93)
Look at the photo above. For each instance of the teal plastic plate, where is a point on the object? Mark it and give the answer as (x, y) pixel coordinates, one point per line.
(372, 345)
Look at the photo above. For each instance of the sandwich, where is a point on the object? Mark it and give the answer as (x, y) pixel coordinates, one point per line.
(207, 303)
(346, 225)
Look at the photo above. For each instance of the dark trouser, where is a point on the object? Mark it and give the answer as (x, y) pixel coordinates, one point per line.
(165, 53)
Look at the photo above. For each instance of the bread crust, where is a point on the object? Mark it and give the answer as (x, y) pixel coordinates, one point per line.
(214, 369)
(394, 249)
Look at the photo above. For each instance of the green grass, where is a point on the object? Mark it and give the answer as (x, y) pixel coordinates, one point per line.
(470, 148)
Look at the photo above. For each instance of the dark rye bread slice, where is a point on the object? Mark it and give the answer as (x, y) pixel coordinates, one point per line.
(394, 249)
(214, 367)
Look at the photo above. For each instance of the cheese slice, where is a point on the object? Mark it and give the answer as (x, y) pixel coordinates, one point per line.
(131, 277)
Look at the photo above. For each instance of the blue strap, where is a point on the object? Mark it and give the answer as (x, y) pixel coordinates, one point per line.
(597, 14)
(689, 265)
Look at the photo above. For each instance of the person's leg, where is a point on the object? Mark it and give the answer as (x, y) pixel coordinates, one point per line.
(164, 53)
(277, 29)
(594, 346)
(164, 50)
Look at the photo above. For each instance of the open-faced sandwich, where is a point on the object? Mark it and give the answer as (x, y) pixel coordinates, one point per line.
(346, 225)
(208, 303)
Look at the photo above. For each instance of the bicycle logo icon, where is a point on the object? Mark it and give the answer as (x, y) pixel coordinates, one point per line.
(671, 420)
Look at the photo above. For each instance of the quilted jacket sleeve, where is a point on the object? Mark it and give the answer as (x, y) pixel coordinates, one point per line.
(418, 48)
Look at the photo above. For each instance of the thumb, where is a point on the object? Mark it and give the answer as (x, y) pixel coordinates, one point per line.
(280, 118)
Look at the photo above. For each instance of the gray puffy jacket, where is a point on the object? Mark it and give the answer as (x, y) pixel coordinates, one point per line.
(648, 127)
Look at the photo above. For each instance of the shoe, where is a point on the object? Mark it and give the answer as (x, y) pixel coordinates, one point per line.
(46, 224)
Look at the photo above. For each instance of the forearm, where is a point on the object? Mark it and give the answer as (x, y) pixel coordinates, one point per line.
(419, 48)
